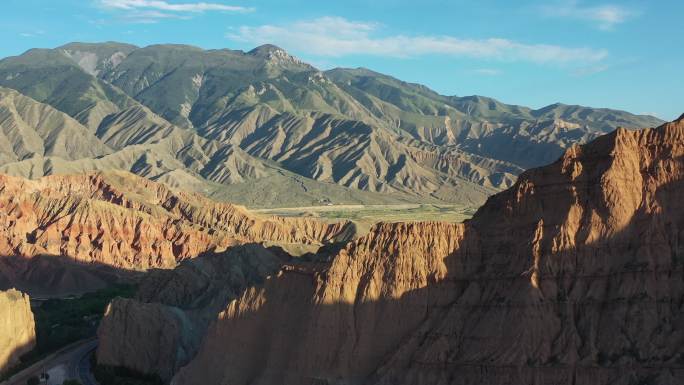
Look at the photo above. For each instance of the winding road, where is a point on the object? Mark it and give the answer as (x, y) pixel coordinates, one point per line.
(71, 362)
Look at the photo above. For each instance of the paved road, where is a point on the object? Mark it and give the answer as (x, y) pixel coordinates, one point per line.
(83, 372)
(73, 362)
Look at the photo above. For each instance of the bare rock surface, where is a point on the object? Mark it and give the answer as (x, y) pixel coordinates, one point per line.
(147, 337)
(17, 328)
(161, 329)
(572, 276)
(122, 221)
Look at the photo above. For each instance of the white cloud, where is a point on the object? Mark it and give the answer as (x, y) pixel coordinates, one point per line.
(591, 70)
(605, 16)
(148, 17)
(150, 11)
(487, 71)
(336, 36)
(32, 34)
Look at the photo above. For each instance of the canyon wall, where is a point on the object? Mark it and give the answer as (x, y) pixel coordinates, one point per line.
(160, 330)
(573, 275)
(17, 328)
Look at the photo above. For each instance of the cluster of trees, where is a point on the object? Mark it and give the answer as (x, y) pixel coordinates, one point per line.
(60, 322)
(108, 375)
(36, 381)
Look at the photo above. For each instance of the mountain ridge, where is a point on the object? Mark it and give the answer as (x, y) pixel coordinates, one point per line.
(184, 107)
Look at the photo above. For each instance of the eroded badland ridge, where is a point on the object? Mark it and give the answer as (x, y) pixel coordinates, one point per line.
(573, 275)
(126, 222)
(580, 260)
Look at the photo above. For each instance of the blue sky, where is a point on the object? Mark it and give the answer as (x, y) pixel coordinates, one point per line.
(626, 55)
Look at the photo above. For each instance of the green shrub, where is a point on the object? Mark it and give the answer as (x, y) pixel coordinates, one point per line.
(109, 375)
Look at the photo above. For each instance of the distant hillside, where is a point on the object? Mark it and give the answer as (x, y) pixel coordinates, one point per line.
(265, 129)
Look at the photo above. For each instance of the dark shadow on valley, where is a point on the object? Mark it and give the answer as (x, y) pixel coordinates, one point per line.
(52, 276)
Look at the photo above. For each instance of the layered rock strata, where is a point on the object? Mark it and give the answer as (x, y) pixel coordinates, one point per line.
(573, 275)
(126, 221)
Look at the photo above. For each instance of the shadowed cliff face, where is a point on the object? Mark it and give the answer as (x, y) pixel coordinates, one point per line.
(574, 275)
(128, 222)
(46, 276)
(161, 329)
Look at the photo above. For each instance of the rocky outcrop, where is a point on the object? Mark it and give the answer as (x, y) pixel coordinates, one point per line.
(148, 337)
(124, 221)
(161, 329)
(17, 328)
(328, 321)
(574, 275)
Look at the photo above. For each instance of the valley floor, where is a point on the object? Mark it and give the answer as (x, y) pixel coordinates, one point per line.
(367, 215)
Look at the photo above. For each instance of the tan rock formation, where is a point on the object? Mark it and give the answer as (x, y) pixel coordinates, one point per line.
(572, 276)
(147, 337)
(160, 330)
(327, 322)
(17, 328)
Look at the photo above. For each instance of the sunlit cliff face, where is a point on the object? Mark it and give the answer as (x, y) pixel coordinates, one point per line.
(558, 279)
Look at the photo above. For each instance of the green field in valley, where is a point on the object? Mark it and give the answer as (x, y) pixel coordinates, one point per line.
(366, 215)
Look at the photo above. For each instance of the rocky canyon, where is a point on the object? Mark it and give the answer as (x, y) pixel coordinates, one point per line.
(572, 276)
(63, 234)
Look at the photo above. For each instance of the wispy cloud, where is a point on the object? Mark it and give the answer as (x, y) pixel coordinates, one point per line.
(32, 33)
(487, 71)
(604, 16)
(336, 36)
(151, 16)
(151, 11)
(655, 114)
(591, 70)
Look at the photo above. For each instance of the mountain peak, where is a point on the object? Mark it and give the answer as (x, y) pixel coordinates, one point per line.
(112, 45)
(266, 50)
(274, 54)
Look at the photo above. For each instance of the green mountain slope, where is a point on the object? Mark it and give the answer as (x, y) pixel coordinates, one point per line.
(29, 128)
(52, 77)
(271, 129)
(482, 125)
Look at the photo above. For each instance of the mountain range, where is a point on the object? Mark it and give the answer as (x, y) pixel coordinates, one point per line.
(262, 128)
(569, 273)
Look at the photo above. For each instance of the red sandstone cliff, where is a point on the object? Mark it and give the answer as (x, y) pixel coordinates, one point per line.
(126, 222)
(573, 276)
